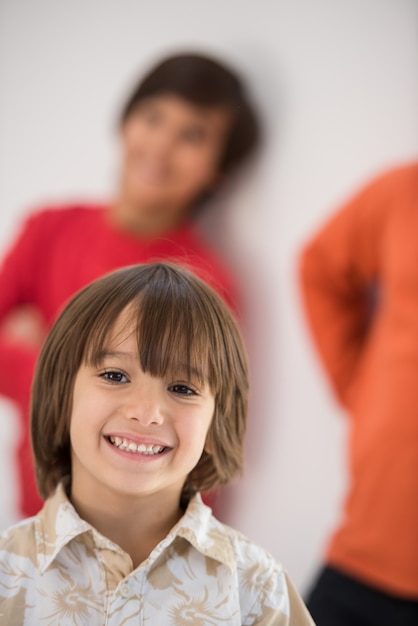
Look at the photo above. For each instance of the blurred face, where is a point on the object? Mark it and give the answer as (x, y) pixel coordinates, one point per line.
(134, 435)
(170, 155)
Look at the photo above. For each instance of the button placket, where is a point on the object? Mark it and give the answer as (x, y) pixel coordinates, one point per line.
(125, 590)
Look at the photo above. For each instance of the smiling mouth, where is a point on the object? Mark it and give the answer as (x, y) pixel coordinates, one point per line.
(130, 446)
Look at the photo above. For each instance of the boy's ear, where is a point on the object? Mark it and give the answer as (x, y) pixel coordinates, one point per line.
(209, 443)
(213, 187)
(218, 181)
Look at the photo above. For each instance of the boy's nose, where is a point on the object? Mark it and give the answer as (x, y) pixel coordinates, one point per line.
(145, 410)
(163, 142)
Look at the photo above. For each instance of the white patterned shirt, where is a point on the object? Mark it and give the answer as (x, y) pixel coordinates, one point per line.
(56, 569)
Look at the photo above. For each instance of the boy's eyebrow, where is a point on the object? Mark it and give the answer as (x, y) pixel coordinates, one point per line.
(104, 354)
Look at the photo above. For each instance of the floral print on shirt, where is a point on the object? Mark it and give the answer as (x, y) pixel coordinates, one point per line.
(57, 569)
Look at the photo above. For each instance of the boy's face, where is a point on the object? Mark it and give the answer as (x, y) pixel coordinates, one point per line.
(134, 435)
(171, 151)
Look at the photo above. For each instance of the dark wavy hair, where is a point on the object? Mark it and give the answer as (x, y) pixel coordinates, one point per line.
(180, 321)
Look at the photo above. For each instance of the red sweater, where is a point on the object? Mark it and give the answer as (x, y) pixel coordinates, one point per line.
(360, 283)
(58, 252)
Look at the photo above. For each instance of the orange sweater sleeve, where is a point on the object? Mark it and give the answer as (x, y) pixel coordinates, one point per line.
(339, 274)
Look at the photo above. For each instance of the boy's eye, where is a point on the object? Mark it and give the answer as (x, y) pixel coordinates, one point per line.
(113, 376)
(193, 134)
(151, 117)
(182, 390)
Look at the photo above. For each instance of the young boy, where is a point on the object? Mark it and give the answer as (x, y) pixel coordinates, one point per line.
(187, 125)
(139, 402)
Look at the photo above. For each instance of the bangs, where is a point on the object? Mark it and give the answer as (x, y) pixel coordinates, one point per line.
(176, 329)
(172, 339)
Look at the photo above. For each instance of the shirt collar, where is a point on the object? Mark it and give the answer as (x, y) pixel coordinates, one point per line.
(203, 531)
(58, 524)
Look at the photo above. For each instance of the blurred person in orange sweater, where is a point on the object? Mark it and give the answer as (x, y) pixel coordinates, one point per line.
(360, 286)
(184, 129)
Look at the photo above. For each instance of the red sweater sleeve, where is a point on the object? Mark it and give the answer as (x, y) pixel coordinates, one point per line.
(339, 271)
(18, 287)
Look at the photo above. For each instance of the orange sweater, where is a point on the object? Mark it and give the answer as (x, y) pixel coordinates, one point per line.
(360, 286)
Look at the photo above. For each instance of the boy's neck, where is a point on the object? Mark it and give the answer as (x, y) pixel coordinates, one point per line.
(146, 223)
(135, 525)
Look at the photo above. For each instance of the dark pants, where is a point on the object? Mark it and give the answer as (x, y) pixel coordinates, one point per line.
(338, 600)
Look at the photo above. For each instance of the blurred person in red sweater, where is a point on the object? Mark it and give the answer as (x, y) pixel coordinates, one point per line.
(360, 286)
(186, 126)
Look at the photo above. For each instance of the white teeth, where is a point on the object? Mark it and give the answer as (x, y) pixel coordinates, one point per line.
(131, 446)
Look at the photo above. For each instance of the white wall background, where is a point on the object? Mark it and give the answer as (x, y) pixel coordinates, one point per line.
(336, 83)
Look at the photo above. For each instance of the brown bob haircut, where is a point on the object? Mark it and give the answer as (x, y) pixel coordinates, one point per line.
(181, 324)
(207, 83)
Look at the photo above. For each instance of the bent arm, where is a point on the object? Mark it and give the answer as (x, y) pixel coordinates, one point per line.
(339, 273)
(17, 288)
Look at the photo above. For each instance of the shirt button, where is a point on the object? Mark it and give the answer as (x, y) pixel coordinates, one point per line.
(125, 590)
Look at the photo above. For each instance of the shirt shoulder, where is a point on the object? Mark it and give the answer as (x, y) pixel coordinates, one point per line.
(261, 579)
(18, 534)
(255, 565)
(388, 186)
(266, 591)
(44, 227)
(403, 172)
(59, 216)
(18, 557)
